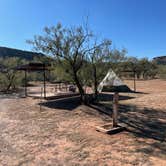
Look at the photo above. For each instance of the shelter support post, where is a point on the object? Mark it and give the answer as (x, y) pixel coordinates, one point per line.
(134, 83)
(44, 74)
(25, 83)
(115, 109)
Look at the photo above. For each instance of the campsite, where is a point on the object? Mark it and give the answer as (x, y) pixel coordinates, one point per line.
(82, 83)
(64, 132)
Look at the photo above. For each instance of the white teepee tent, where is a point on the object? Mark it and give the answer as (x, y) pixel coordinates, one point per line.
(111, 79)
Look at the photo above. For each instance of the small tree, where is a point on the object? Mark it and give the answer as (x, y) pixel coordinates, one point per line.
(98, 60)
(10, 78)
(69, 46)
(148, 69)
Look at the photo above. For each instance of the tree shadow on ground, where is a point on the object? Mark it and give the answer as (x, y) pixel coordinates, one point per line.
(64, 103)
(146, 123)
(142, 122)
(109, 97)
(70, 103)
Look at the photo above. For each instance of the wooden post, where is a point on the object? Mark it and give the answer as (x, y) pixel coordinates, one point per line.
(115, 109)
(25, 83)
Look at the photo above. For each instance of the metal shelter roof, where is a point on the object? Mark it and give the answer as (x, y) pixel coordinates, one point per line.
(34, 67)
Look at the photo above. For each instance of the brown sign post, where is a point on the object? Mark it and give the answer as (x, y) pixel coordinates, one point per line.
(115, 109)
(112, 83)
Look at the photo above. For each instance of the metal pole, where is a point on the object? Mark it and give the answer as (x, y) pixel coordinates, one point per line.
(134, 83)
(44, 84)
(25, 83)
(41, 98)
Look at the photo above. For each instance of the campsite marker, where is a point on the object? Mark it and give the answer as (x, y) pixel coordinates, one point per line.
(112, 83)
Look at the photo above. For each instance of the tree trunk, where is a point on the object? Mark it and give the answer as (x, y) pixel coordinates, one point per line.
(80, 88)
(95, 81)
(10, 83)
(8, 87)
(115, 109)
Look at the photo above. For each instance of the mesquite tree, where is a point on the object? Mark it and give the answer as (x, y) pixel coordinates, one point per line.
(69, 45)
(99, 60)
(9, 77)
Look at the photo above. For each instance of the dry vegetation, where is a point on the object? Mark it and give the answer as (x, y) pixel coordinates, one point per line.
(63, 132)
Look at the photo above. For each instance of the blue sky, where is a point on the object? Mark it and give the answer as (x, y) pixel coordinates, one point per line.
(137, 25)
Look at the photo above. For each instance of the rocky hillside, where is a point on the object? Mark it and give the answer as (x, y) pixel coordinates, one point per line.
(10, 52)
(161, 60)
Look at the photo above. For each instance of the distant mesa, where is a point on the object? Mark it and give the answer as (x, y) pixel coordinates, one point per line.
(160, 60)
(6, 52)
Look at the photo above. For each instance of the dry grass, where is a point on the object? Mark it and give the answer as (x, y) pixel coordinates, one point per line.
(63, 132)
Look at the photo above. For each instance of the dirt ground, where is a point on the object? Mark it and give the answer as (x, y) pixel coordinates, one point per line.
(63, 133)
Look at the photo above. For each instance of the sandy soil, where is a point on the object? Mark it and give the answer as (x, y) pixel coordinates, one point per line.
(62, 133)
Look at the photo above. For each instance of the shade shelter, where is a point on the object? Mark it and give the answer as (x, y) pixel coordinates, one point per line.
(134, 76)
(112, 83)
(35, 67)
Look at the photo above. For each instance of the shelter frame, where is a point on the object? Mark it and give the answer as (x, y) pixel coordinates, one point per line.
(34, 67)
